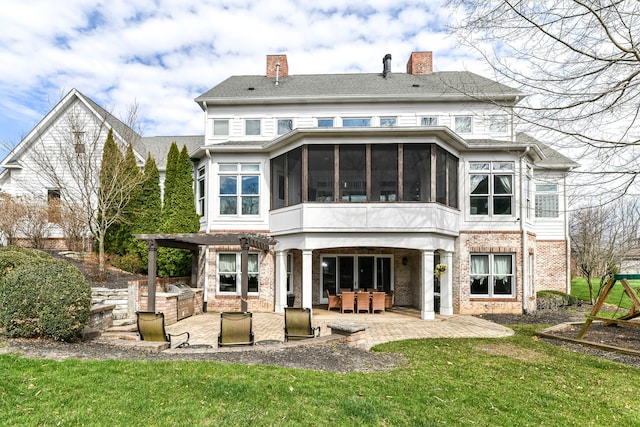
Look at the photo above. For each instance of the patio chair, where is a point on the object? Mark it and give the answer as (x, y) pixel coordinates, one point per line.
(363, 301)
(334, 301)
(348, 302)
(377, 302)
(236, 328)
(297, 324)
(151, 328)
(388, 301)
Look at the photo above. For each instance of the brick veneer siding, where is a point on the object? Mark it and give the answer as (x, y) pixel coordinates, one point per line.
(166, 303)
(551, 268)
(485, 242)
(264, 302)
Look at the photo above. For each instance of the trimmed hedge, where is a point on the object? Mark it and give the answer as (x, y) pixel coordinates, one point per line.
(44, 298)
(14, 256)
(554, 299)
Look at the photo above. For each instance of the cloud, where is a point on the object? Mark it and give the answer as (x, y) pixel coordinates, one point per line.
(164, 53)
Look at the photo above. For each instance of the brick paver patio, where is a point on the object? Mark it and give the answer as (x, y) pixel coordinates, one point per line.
(398, 324)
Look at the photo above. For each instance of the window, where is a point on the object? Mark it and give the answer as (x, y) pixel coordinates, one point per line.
(79, 142)
(384, 173)
(321, 173)
(429, 121)
(201, 191)
(230, 274)
(325, 122)
(284, 126)
(356, 122)
(220, 127)
(491, 191)
(252, 127)
(491, 275)
(353, 173)
(388, 121)
(239, 187)
(463, 124)
(547, 201)
(416, 172)
(54, 206)
(498, 124)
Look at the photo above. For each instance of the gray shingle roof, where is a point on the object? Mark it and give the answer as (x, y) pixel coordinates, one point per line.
(366, 86)
(158, 146)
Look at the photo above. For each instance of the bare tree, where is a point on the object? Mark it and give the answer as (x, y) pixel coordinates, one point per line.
(35, 225)
(599, 237)
(11, 212)
(579, 63)
(74, 227)
(69, 159)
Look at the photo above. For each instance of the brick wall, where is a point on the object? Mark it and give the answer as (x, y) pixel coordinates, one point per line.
(264, 302)
(551, 269)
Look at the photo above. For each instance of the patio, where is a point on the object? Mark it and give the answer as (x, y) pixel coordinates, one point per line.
(399, 324)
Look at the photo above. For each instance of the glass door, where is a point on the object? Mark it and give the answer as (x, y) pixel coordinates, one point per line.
(366, 272)
(355, 271)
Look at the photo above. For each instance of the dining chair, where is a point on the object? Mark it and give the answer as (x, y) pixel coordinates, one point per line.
(334, 301)
(362, 301)
(348, 302)
(377, 302)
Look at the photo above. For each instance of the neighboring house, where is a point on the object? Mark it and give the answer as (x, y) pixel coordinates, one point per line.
(369, 181)
(75, 126)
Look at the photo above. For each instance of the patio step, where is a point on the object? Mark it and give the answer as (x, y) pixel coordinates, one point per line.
(120, 335)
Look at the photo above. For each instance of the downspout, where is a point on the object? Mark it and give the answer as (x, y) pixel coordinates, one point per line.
(567, 237)
(523, 230)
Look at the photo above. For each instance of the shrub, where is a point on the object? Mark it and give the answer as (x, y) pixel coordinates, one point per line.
(14, 256)
(130, 262)
(45, 298)
(554, 299)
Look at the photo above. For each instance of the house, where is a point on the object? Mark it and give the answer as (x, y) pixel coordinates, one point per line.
(76, 126)
(371, 180)
(366, 180)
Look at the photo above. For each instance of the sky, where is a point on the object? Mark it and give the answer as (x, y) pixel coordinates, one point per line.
(161, 54)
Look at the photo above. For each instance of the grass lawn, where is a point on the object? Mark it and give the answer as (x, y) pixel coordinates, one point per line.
(580, 289)
(515, 381)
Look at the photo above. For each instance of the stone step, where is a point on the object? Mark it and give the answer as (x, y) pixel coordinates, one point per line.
(120, 335)
(124, 322)
(123, 328)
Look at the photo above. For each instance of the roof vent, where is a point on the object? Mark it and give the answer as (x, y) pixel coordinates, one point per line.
(386, 69)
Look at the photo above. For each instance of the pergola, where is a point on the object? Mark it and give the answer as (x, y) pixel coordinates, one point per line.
(193, 242)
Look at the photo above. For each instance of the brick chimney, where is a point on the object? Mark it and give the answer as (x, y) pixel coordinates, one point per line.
(273, 70)
(420, 63)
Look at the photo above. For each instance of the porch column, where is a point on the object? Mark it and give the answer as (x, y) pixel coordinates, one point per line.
(281, 281)
(307, 266)
(152, 246)
(446, 285)
(426, 306)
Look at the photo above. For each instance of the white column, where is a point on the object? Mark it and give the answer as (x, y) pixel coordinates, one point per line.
(281, 281)
(446, 285)
(426, 306)
(307, 278)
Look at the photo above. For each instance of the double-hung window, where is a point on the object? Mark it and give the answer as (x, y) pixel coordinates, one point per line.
(201, 191)
(491, 275)
(491, 188)
(547, 201)
(284, 126)
(230, 272)
(239, 189)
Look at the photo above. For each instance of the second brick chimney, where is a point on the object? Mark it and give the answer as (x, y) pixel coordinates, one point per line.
(420, 63)
(273, 70)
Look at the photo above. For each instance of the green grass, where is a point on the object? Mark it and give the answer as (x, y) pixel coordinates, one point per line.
(515, 381)
(617, 296)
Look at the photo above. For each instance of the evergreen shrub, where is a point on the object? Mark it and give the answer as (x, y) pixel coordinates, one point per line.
(45, 298)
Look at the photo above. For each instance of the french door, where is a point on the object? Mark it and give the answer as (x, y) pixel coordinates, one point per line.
(355, 271)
